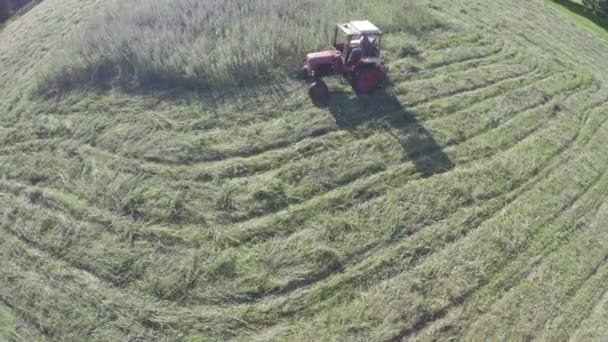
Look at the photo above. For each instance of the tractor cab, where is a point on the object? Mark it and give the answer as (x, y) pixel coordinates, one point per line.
(354, 54)
(360, 36)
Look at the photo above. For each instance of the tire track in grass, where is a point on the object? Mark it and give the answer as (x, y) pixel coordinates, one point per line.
(428, 318)
(597, 313)
(522, 134)
(468, 89)
(248, 151)
(359, 280)
(572, 283)
(148, 167)
(110, 280)
(459, 317)
(370, 248)
(52, 251)
(531, 181)
(583, 304)
(82, 287)
(473, 220)
(391, 173)
(445, 67)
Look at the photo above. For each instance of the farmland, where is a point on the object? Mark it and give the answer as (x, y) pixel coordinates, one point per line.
(164, 199)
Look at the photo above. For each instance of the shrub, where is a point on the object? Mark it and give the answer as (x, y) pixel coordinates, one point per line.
(5, 11)
(598, 7)
(192, 43)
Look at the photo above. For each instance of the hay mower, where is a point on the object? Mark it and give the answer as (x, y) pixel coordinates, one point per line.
(354, 54)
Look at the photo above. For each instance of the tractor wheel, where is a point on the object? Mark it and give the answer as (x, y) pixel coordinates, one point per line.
(303, 74)
(318, 91)
(367, 79)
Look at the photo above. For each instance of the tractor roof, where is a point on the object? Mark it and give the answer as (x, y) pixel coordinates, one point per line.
(359, 27)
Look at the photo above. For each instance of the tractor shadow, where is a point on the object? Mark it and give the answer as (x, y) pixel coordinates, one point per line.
(382, 110)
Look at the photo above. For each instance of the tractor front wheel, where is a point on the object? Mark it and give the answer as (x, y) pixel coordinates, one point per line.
(318, 91)
(367, 79)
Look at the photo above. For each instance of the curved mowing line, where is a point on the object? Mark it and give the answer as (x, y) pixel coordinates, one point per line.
(425, 321)
(602, 263)
(428, 318)
(89, 220)
(109, 279)
(82, 267)
(529, 133)
(468, 89)
(580, 284)
(29, 319)
(510, 197)
(59, 287)
(434, 68)
(388, 171)
(549, 247)
(417, 173)
(134, 161)
(519, 274)
(325, 135)
(299, 157)
(513, 195)
(273, 150)
(592, 310)
(320, 131)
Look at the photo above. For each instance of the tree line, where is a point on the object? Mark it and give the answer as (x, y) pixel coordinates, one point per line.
(5, 10)
(598, 7)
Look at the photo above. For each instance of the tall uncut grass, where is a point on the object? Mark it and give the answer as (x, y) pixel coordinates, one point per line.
(195, 43)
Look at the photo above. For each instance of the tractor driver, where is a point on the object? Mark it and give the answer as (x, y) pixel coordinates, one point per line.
(366, 46)
(370, 46)
(356, 53)
(360, 50)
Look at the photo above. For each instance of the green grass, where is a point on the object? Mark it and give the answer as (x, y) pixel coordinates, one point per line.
(464, 201)
(7, 324)
(190, 44)
(574, 10)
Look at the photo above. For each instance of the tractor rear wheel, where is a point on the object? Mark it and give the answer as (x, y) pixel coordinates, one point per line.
(318, 91)
(303, 74)
(367, 79)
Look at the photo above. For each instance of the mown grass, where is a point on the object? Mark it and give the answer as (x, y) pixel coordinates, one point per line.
(7, 325)
(463, 201)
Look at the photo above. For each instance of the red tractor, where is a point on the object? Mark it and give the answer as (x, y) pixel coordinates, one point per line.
(355, 54)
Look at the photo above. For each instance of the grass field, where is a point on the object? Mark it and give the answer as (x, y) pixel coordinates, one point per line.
(575, 10)
(464, 201)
